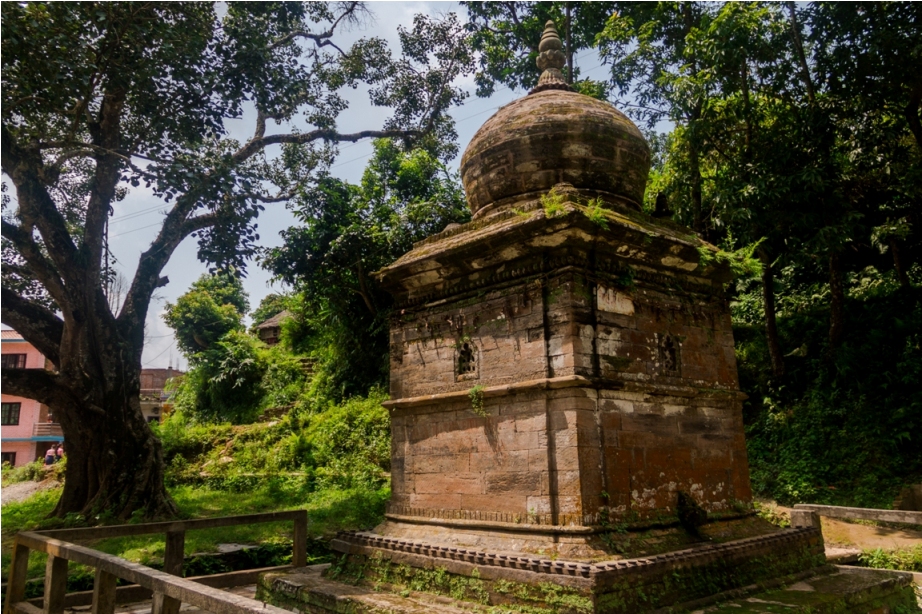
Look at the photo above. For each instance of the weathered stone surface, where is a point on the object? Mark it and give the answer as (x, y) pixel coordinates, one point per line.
(551, 137)
(610, 395)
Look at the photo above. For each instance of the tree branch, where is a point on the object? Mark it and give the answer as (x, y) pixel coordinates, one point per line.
(322, 39)
(39, 267)
(35, 323)
(37, 384)
(255, 145)
(107, 135)
(36, 207)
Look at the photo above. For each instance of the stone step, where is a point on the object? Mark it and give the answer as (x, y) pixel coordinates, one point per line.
(850, 589)
(846, 589)
(306, 590)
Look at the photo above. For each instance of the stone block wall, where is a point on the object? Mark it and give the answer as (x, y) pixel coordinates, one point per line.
(594, 397)
(565, 325)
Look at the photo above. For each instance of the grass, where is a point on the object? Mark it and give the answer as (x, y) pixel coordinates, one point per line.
(328, 511)
(901, 559)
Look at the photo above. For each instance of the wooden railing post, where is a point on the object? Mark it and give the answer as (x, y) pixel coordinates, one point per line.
(172, 564)
(299, 547)
(55, 584)
(104, 593)
(16, 587)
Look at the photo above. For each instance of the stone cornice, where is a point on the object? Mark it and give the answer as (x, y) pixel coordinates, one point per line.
(568, 381)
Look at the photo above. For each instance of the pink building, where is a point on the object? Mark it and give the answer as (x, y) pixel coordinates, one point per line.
(28, 429)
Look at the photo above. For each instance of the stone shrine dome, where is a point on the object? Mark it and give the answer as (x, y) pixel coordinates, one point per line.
(555, 135)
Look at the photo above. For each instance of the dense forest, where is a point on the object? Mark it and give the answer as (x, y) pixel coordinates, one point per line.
(788, 134)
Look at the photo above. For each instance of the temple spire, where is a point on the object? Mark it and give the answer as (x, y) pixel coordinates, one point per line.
(550, 60)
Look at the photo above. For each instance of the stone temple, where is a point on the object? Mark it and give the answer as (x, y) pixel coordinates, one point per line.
(567, 429)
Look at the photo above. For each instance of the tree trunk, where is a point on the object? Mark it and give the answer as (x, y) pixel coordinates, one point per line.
(569, 46)
(771, 326)
(898, 264)
(837, 304)
(114, 461)
(114, 464)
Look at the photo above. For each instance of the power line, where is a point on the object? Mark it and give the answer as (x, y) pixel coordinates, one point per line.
(160, 354)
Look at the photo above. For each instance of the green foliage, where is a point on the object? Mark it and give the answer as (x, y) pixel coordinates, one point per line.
(212, 308)
(506, 36)
(225, 383)
(742, 261)
(553, 203)
(31, 472)
(350, 443)
(476, 396)
(901, 559)
(347, 232)
(595, 211)
(843, 430)
(337, 447)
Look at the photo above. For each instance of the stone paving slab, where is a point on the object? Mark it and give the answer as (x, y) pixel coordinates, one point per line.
(144, 607)
(311, 592)
(851, 589)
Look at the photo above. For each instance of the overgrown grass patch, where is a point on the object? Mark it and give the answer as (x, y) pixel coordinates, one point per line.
(901, 559)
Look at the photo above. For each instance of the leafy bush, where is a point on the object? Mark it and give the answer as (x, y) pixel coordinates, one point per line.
(901, 559)
(225, 381)
(32, 472)
(843, 427)
(350, 443)
(345, 446)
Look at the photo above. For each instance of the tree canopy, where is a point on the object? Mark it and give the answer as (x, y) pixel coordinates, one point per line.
(100, 98)
(346, 233)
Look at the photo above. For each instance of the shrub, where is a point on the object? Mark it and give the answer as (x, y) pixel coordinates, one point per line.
(33, 472)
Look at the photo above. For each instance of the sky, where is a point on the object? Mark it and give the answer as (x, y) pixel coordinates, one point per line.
(137, 218)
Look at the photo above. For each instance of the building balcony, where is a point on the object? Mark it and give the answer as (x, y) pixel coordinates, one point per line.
(47, 429)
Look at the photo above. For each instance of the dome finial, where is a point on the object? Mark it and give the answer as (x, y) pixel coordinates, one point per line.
(551, 59)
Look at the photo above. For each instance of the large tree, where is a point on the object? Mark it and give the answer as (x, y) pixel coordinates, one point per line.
(793, 125)
(99, 98)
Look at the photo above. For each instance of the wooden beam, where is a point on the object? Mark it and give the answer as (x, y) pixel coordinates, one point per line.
(299, 545)
(172, 564)
(55, 584)
(19, 570)
(133, 592)
(123, 530)
(861, 513)
(104, 596)
(24, 607)
(186, 591)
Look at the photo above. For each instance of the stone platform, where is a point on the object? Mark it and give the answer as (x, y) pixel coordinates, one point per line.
(780, 572)
(828, 589)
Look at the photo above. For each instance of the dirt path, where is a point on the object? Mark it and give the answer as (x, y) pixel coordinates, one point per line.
(866, 537)
(848, 535)
(23, 490)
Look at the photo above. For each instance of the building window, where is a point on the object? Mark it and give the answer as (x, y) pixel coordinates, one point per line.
(8, 458)
(13, 361)
(10, 414)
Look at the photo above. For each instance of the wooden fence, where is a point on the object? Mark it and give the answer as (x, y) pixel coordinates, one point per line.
(168, 590)
(860, 513)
